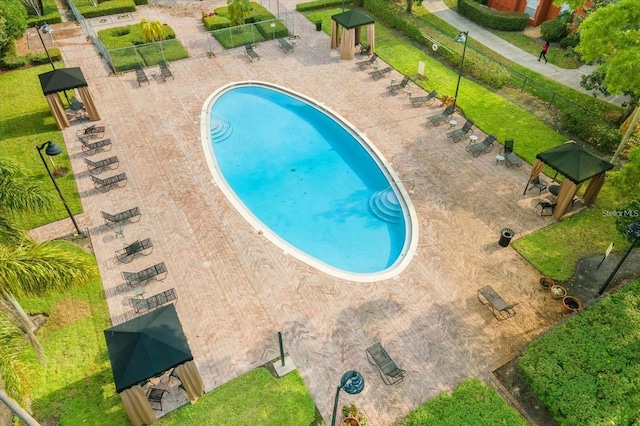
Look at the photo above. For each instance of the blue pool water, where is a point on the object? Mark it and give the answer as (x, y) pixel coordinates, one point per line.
(307, 178)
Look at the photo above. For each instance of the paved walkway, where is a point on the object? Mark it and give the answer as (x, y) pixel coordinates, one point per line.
(236, 289)
(570, 78)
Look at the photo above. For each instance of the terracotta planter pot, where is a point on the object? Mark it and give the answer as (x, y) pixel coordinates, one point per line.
(350, 421)
(558, 292)
(571, 304)
(546, 282)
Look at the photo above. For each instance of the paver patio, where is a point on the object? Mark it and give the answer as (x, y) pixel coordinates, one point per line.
(236, 290)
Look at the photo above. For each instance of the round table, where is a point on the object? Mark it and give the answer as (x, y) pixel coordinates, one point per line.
(453, 123)
(393, 81)
(119, 230)
(499, 159)
(139, 290)
(473, 139)
(554, 189)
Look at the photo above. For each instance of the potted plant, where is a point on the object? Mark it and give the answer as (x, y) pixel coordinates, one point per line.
(558, 292)
(571, 304)
(546, 282)
(350, 410)
(350, 421)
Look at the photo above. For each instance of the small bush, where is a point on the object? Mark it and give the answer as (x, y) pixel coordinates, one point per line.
(571, 40)
(231, 37)
(492, 18)
(280, 30)
(554, 30)
(319, 4)
(10, 60)
(591, 130)
(216, 22)
(112, 7)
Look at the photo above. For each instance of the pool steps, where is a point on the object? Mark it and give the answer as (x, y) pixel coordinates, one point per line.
(385, 206)
(220, 129)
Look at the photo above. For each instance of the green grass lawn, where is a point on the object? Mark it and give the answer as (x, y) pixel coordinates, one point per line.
(472, 402)
(26, 121)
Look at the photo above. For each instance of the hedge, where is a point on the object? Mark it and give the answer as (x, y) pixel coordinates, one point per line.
(587, 370)
(112, 7)
(216, 22)
(492, 18)
(280, 30)
(118, 37)
(231, 38)
(50, 14)
(320, 4)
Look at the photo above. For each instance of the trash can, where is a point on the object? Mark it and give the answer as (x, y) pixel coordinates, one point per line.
(318, 25)
(505, 237)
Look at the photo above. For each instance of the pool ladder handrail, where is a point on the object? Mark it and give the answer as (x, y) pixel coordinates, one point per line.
(225, 124)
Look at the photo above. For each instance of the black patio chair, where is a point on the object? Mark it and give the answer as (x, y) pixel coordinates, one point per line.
(363, 65)
(92, 131)
(285, 45)
(155, 398)
(104, 185)
(389, 371)
(378, 74)
(165, 72)
(250, 53)
(421, 100)
(156, 272)
(538, 184)
(98, 167)
(482, 147)
(128, 253)
(458, 134)
(511, 159)
(436, 119)
(131, 215)
(395, 88)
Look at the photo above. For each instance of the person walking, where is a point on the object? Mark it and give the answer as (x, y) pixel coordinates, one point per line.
(543, 52)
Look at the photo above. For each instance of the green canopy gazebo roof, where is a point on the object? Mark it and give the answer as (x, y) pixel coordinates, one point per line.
(146, 346)
(61, 79)
(352, 19)
(574, 162)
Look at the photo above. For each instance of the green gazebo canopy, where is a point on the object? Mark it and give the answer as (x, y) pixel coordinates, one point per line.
(352, 19)
(62, 79)
(574, 162)
(146, 346)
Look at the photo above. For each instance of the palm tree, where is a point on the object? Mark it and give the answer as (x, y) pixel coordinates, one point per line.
(27, 268)
(238, 11)
(152, 31)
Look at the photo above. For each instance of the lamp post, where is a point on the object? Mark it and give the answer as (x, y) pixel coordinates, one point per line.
(46, 28)
(460, 38)
(633, 231)
(51, 150)
(352, 382)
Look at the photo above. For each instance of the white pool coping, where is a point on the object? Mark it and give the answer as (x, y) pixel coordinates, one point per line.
(411, 231)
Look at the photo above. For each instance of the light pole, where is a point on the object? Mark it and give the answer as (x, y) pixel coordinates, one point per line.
(46, 28)
(352, 382)
(51, 150)
(460, 38)
(633, 231)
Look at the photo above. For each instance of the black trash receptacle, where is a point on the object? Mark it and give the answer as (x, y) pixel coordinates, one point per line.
(505, 237)
(318, 25)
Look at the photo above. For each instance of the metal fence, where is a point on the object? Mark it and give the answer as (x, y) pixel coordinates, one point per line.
(90, 32)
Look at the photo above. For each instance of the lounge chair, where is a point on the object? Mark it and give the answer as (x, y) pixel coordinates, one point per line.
(98, 167)
(546, 206)
(485, 146)
(90, 148)
(389, 371)
(377, 74)
(251, 54)
(128, 253)
(155, 301)
(443, 116)
(131, 215)
(511, 159)
(92, 131)
(104, 185)
(155, 272)
(155, 398)
(393, 89)
(536, 183)
(141, 77)
(285, 45)
(165, 72)
(421, 100)
(458, 134)
(363, 65)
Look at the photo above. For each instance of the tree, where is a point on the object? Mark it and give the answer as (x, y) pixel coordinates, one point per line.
(152, 31)
(611, 36)
(27, 267)
(13, 23)
(239, 10)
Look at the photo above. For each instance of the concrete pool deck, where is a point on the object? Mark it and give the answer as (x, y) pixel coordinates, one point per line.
(236, 290)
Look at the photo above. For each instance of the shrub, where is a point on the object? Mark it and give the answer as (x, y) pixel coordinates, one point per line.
(591, 130)
(216, 22)
(571, 40)
(231, 38)
(280, 30)
(492, 18)
(11, 60)
(41, 58)
(112, 7)
(554, 30)
(49, 15)
(626, 180)
(319, 4)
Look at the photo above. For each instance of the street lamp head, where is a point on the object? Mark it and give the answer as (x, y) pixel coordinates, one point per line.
(633, 230)
(52, 148)
(352, 382)
(46, 28)
(461, 37)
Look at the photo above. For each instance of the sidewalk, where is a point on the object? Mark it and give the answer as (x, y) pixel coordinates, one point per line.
(570, 78)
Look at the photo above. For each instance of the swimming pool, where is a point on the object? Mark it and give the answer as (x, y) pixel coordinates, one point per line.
(308, 181)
